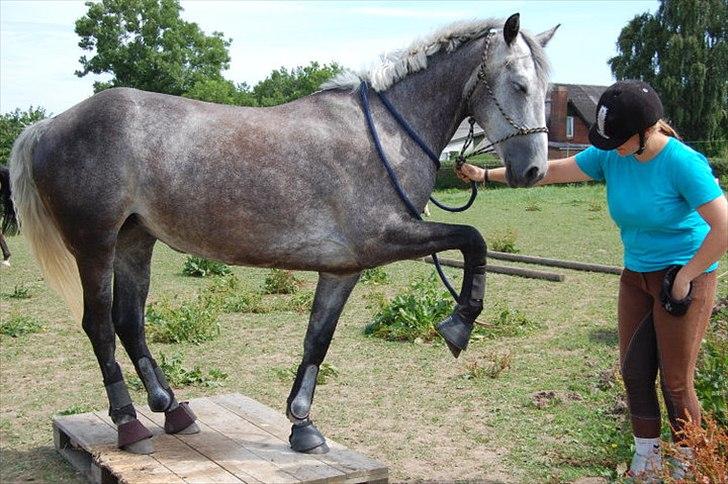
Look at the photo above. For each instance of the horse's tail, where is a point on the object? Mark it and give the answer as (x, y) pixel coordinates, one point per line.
(9, 221)
(38, 226)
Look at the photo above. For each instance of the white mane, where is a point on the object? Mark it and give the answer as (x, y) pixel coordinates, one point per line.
(396, 65)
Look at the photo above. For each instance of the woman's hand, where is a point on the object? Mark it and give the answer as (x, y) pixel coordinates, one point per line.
(467, 172)
(680, 287)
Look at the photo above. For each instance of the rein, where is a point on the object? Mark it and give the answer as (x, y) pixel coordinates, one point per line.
(460, 159)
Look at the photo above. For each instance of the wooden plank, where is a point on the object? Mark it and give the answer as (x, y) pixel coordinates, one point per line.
(226, 452)
(355, 465)
(90, 434)
(180, 458)
(567, 264)
(263, 444)
(241, 441)
(510, 271)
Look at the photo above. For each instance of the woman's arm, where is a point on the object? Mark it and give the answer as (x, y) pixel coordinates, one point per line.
(715, 244)
(564, 170)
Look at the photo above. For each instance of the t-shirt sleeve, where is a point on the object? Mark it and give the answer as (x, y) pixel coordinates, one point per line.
(694, 180)
(591, 161)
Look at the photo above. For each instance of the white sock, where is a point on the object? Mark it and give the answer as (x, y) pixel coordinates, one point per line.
(647, 446)
(646, 461)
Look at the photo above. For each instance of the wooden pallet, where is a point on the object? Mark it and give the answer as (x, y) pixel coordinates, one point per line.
(241, 441)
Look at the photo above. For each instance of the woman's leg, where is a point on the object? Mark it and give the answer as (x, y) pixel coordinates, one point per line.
(678, 342)
(638, 354)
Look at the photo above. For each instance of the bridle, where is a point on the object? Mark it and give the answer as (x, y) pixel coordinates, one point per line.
(460, 159)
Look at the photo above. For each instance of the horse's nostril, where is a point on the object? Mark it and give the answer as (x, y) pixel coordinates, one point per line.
(532, 173)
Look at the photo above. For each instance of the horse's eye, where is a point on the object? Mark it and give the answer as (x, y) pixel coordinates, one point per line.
(519, 86)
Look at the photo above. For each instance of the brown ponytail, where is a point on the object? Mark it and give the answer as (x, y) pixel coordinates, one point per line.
(664, 128)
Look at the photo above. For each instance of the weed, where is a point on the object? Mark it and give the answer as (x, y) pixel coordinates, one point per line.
(302, 302)
(19, 325)
(413, 313)
(504, 241)
(76, 409)
(228, 294)
(532, 205)
(188, 322)
(279, 281)
(711, 375)
(709, 445)
(507, 322)
(494, 366)
(178, 376)
(375, 276)
(595, 206)
(326, 371)
(20, 292)
(200, 267)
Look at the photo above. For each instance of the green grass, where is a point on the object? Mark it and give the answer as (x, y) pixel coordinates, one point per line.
(407, 405)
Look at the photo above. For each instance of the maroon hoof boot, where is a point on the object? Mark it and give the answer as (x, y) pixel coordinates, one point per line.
(181, 420)
(135, 437)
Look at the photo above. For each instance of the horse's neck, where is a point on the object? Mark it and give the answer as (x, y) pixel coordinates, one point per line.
(431, 100)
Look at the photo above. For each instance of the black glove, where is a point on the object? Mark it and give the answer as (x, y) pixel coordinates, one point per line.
(674, 306)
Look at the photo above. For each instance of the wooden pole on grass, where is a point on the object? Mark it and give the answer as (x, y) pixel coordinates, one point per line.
(566, 264)
(511, 271)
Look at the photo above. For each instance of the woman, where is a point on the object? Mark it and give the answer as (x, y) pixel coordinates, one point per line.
(673, 219)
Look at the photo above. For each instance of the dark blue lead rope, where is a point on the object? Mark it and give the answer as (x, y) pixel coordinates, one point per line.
(435, 159)
(393, 177)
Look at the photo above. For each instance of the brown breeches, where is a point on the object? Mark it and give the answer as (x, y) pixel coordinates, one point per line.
(650, 339)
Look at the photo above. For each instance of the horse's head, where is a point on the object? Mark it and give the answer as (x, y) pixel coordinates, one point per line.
(508, 98)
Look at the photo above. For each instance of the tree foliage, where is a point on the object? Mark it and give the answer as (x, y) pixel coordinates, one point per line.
(12, 124)
(283, 86)
(682, 52)
(145, 44)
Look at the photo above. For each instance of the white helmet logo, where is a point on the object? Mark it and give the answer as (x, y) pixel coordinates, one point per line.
(601, 118)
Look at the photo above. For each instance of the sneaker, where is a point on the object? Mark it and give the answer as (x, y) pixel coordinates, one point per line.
(680, 463)
(646, 468)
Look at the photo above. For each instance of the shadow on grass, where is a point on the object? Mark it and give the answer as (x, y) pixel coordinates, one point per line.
(39, 464)
(605, 336)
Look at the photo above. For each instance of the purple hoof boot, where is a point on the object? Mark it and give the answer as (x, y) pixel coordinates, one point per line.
(135, 437)
(180, 420)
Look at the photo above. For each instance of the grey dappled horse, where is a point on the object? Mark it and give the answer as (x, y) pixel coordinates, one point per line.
(297, 186)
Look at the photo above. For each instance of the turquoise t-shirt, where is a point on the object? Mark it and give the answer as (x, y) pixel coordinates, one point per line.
(653, 203)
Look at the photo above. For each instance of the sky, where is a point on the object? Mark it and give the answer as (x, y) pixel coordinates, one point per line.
(39, 49)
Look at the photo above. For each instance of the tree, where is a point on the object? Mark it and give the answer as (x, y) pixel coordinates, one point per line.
(222, 91)
(682, 52)
(283, 86)
(12, 124)
(145, 44)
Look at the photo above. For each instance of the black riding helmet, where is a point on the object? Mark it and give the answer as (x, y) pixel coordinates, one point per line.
(626, 108)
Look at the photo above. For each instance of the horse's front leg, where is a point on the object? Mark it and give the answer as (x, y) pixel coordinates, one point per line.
(332, 292)
(417, 239)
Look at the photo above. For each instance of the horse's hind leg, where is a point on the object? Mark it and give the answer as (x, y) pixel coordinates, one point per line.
(95, 270)
(332, 292)
(131, 286)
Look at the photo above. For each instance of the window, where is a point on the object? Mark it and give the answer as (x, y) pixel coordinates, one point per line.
(569, 127)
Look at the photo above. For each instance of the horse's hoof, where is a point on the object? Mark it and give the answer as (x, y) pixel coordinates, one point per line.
(145, 446)
(192, 429)
(135, 437)
(180, 419)
(456, 333)
(6, 263)
(306, 438)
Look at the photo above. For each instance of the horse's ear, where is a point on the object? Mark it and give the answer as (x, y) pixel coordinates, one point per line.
(545, 36)
(510, 29)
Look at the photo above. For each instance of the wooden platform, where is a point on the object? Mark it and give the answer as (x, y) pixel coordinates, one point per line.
(241, 441)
